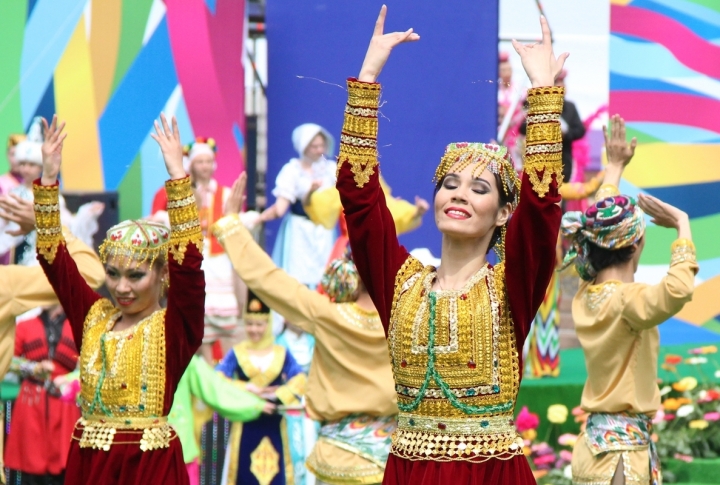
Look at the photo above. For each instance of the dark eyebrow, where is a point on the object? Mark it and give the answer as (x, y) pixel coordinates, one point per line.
(478, 179)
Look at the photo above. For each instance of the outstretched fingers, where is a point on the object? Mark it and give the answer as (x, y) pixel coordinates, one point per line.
(380, 22)
(546, 34)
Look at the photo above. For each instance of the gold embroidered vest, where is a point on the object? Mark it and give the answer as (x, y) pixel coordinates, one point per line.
(456, 367)
(122, 377)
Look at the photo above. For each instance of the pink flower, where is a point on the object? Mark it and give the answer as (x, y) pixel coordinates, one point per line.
(544, 460)
(566, 455)
(685, 458)
(669, 417)
(659, 416)
(714, 416)
(567, 439)
(526, 420)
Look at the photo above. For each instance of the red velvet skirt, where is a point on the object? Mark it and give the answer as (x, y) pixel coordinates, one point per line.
(125, 464)
(515, 471)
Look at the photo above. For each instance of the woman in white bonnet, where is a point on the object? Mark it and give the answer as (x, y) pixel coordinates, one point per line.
(302, 248)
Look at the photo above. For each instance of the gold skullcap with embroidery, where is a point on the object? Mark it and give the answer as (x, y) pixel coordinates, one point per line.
(495, 158)
(137, 241)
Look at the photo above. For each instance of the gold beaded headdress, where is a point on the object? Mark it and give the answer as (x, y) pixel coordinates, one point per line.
(495, 158)
(136, 241)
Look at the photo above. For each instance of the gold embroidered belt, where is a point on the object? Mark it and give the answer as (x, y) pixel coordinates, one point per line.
(474, 439)
(101, 432)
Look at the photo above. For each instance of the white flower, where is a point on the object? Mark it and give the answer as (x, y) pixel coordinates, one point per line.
(665, 390)
(567, 472)
(696, 360)
(717, 374)
(685, 411)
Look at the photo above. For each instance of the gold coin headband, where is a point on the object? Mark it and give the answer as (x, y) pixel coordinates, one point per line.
(494, 158)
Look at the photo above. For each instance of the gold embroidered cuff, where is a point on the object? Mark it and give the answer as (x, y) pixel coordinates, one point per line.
(47, 220)
(184, 220)
(606, 190)
(683, 250)
(358, 140)
(227, 226)
(543, 143)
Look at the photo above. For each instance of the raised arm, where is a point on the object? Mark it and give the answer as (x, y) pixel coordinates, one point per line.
(619, 153)
(284, 294)
(645, 306)
(371, 229)
(533, 229)
(74, 294)
(186, 295)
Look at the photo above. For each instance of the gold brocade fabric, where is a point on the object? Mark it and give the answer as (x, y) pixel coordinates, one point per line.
(466, 409)
(184, 220)
(543, 143)
(47, 220)
(122, 376)
(358, 140)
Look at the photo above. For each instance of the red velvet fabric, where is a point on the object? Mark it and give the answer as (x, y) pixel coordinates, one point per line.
(39, 438)
(127, 464)
(515, 471)
(530, 252)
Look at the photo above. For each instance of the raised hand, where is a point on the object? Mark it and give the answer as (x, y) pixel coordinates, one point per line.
(421, 205)
(19, 211)
(171, 147)
(662, 213)
(234, 202)
(618, 150)
(52, 150)
(538, 60)
(380, 47)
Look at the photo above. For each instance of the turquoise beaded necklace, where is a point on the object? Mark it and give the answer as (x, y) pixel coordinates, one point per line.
(431, 373)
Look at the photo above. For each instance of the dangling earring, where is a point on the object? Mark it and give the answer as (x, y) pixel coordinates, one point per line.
(166, 284)
(500, 245)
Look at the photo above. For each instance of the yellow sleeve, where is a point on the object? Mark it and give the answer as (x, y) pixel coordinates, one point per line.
(282, 293)
(324, 207)
(25, 288)
(645, 306)
(606, 190)
(289, 393)
(403, 212)
(581, 190)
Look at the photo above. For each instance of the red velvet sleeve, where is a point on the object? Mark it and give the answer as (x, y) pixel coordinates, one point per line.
(73, 292)
(376, 251)
(184, 318)
(533, 229)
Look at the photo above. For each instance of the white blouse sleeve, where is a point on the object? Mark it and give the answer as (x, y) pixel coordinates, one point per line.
(286, 183)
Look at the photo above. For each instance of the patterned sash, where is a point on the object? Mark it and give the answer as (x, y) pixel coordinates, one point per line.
(623, 432)
(367, 436)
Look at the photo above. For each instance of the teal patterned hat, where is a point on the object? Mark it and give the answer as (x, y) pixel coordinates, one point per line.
(611, 223)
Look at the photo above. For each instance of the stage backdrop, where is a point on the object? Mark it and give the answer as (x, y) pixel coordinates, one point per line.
(436, 91)
(665, 81)
(109, 67)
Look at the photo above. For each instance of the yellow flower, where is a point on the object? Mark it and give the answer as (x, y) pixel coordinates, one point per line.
(698, 424)
(557, 413)
(685, 384)
(673, 403)
(709, 349)
(529, 434)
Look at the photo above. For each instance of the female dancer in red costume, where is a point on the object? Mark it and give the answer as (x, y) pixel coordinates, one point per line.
(454, 331)
(133, 356)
